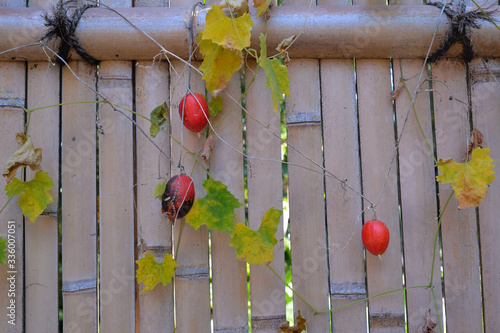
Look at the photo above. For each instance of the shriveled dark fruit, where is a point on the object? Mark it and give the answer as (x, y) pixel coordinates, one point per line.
(375, 236)
(178, 197)
(195, 112)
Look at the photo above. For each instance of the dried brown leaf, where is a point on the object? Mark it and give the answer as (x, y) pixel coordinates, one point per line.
(26, 155)
(395, 93)
(476, 140)
(428, 324)
(298, 328)
(208, 148)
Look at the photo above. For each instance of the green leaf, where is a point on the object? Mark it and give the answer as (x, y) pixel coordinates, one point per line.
(276, 74)
(159, 189)
(215, 106)
(153, 273)
(216, 209)
(469, 180)
(230, 33)
(34, 195)
(3, 250)
(219, 64)
(257, 247)
(159, 119)
(261, 5)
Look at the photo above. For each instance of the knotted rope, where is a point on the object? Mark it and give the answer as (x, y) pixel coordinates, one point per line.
(461, 23)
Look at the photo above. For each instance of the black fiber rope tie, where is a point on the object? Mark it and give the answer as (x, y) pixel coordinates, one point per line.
(461, 23)
(63, 27)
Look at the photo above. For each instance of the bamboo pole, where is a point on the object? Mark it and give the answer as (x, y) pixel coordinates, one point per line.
(419, 212)
(329, 32)
(486, 118)
(267, 292)
(229, 274)
(12, 121)
(458, 227)
(79, 211)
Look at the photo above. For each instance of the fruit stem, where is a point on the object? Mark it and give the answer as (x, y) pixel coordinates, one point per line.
(379, 256)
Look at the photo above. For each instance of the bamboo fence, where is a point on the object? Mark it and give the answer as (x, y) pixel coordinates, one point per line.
(348, 115)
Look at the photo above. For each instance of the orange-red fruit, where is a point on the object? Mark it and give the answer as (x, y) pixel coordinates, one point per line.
(195, 113)
(178, 197)
(375, 236)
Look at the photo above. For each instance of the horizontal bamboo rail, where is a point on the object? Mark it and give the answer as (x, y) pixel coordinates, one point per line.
(328, 32)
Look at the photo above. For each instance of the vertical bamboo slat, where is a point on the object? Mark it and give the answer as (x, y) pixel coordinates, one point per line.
(307, 206)
(12, 81)
(419, 213)
(41, 254)
(116, 201)
(79, 211)
(229, 274)
(154, 231)
(340, 135)
(192, 279)
(155, 310)
(386, 313)
(265, 190)
(486, 118)
(458, 227)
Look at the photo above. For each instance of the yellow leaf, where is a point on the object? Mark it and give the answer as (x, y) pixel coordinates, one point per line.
(469, 180)
(26, 155)
(153, 273)
(276, 74)
(257, 246)
(230, 33)
(218, 64)
(34, 195)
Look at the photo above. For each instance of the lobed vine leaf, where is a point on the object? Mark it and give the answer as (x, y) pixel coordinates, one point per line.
(219, 63)
(153, 273)
(257, 247)
(34, 195)
(159, 119)
(261, 5)
(26, 155)
(215, 210)
(276, 74)
(469, 180)
(159, 189)
(3, 250)
(229, 32)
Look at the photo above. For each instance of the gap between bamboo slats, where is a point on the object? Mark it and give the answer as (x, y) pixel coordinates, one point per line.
(229, 274)
(192, 281)
(154, 231)
(485, 101)
(265, 190)
(462, 288)
(12, 81)
(79, 211)
(116, 200)
(306, 187)
(379, 177)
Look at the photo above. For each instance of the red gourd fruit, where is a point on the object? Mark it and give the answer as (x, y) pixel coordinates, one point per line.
(375, 236)
(178, 197)
(195, 112)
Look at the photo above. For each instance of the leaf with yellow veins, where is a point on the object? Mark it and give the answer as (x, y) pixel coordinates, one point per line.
(219, 64)
(34, 195)
(26, 155)
(228, 32)
(153, 273)
(261, 5)
(257, 247)
(469, 180)
(276, 74)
